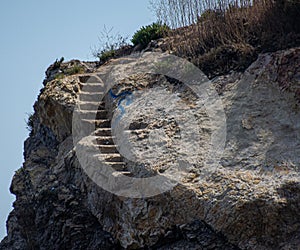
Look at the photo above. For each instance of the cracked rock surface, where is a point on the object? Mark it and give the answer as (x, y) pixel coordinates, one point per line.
(249, 200)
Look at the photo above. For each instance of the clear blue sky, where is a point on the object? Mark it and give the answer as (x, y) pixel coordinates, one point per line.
(33, 34)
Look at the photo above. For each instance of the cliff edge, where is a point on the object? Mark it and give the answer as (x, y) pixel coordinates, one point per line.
(250, 200)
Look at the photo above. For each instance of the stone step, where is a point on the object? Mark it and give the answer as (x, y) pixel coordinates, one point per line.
(102, 123)
(126, 173)
(102, 75)
(91, 105)
(112, 157)
(91, 87)
(105, 140)
(118, 166)
(90, 79)
(94, 114)
(102, 132)
(108, 149)
(90, 96)
(115, 157)
(101, 114)
(99, 123)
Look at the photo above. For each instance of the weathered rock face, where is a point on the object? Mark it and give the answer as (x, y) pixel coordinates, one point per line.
(251, 200)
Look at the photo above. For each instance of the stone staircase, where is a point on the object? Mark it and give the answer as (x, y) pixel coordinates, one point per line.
(94, 113)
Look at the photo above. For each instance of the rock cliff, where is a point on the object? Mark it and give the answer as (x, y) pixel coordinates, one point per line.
(250, 199)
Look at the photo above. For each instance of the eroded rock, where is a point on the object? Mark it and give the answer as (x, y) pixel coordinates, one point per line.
(251, 200)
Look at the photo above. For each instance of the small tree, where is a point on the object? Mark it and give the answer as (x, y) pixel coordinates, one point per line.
(110, 42)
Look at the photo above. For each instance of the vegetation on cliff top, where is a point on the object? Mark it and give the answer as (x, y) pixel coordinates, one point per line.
(110, 44)
(148, 33)
(217, 36)
(114, 45)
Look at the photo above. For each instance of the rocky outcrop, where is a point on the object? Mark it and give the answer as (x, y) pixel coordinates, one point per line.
(250, 200)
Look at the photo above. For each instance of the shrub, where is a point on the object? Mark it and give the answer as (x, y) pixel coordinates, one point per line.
(209, 14)
(56, 64)
(150, 32)
(110, 44)
(30, 122)
(105, 55)
(59, 76)
(213, 33)
(290, 10)
(76, 69)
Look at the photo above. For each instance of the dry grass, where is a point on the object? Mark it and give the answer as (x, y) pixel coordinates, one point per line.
(219, 36)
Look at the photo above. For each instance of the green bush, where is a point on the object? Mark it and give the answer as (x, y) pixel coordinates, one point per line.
(76, 69)
(73, 70)
(59, 76)
(150, 32)
(105, 55)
